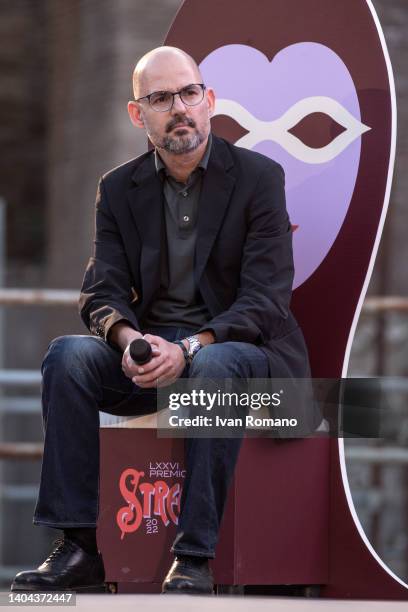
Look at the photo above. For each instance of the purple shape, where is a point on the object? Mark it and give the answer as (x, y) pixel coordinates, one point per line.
(318, 195)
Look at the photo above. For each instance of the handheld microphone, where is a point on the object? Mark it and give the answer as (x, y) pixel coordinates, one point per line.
(140, 351)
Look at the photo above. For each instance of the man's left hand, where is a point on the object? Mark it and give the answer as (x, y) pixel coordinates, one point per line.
(162, 370)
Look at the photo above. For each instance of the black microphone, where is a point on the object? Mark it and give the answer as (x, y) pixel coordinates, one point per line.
(140, 351)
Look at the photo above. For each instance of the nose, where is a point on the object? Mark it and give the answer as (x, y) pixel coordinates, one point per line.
(178, 104)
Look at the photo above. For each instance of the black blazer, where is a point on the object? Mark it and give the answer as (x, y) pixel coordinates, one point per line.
(243, 261)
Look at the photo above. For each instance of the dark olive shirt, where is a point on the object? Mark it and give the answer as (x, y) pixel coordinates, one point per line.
(178, 301)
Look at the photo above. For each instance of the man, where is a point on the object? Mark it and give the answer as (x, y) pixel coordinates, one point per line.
(193, 253)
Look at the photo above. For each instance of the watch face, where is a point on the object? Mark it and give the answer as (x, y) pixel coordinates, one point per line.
(195, 345)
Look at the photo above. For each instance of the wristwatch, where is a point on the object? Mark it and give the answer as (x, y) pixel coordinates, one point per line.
(194, 346)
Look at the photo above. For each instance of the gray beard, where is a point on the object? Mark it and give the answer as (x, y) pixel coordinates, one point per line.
(182, 144)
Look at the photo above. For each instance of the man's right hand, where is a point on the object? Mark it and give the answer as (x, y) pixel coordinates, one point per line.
(129, 367)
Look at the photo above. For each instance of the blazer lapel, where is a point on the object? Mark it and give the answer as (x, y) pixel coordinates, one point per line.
(146, 204)
(216, 190)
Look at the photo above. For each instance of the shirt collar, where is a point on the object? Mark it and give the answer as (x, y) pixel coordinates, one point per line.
(161, 167)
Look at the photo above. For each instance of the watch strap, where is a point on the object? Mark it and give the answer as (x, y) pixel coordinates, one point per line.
(183, 348)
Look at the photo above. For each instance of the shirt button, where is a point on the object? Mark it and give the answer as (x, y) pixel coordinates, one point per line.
(186, 218)
(185, 194)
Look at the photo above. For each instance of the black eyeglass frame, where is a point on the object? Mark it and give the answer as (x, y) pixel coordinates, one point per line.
(175, 93)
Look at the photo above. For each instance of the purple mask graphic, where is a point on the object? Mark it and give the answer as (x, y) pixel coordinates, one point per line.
(268, 99)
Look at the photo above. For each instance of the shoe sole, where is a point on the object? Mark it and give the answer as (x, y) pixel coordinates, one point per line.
(97, 588)
(181, 592)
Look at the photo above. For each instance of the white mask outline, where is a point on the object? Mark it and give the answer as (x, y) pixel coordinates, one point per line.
(277, 130)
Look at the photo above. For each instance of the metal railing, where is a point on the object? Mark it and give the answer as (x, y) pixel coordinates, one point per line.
(45, 297)
(68, 297)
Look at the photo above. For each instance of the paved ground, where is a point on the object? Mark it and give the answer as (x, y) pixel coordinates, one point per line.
(186, 603)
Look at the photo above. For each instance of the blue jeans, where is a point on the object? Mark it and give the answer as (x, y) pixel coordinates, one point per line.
(82, 375)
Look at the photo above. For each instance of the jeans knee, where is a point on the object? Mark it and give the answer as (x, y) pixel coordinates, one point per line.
(65, 352)
(218, 361)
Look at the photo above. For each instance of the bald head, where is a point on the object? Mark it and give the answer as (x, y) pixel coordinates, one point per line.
(160, 68)
(184, 124)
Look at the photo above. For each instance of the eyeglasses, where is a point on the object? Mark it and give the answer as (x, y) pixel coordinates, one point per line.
(162, 101)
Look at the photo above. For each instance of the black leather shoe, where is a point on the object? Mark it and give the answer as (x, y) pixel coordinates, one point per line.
(68, 567)
(190, 575)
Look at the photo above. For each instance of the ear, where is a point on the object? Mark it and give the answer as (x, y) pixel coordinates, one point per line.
(135, 114)
(210, 96)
